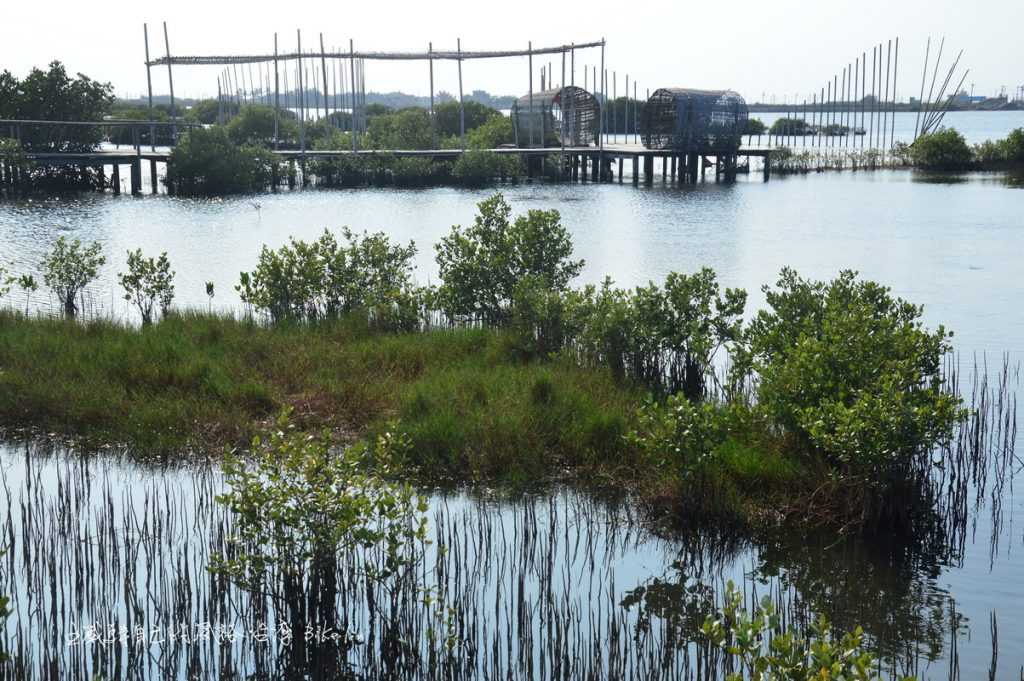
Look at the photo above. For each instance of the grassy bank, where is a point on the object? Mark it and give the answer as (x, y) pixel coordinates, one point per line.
(472, 409)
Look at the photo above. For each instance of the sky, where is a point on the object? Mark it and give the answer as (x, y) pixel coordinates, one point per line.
(782, 48)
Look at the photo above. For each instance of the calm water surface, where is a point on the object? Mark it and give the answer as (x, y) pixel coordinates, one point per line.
(953, 244)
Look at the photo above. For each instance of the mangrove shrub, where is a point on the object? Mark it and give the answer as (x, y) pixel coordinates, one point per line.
(299, 506)
(148, 283)
(479, 167)
(325, 279)
(945, 149)
(762, 647)
(68, 268)
(481, 265)
(206, 162)
(851, 372)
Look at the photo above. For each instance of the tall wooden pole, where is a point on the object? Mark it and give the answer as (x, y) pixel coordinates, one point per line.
(352, 68)
(323, 69)
(603, 97)
(302, 99)
(220, 104)
(529, 61)
(895, 71)
(572, 64)
(462, 108)
(863, 92)
(562, 106)
(277, 99)
(149, 86)
(433, 118)
(885, 114)
(920, 98)
(170, 80)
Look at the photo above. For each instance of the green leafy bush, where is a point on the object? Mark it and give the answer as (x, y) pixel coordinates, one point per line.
(678, 436)
(324, 279)
(254, 125)
(207, 162)
(481, 265)
(406, 129)
(495, 132)
(68, 268)
(147, 283)
(791, 126)
(298, 505)
(479, 167)
(755, 126)
(851, 372)
(945, 149)
(667, 337)
(765, 649)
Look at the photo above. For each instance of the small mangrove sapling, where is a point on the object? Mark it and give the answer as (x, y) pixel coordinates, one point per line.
(69, 267)
(27, 283)
(147, 283)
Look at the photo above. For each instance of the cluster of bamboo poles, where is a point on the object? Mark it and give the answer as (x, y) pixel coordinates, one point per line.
(231, 85)
(849, 115)
(607, 92)
(343, 83)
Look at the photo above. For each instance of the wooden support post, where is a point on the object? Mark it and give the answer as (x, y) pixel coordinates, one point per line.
(170, 81)
(767, 167)
(604, 99)
(154, 185)
(323, 69)
(529, 62)
(433, 121)
(149, 87)
(352, 68)
(136, 176)
(636, 170)
(596, 168)
(620, 170)
(277, 99)
(696, 167)
(462, 109)
(115, 178)
(101, 178)
(291, 173)
(302, 103)
(673, 169)
(649, 169)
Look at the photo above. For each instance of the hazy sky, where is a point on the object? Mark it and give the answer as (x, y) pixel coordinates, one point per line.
(779, 47)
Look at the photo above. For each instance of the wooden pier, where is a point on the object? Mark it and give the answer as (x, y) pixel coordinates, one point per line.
(580, 164)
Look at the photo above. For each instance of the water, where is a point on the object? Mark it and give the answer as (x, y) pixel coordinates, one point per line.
(950, 243)
(949, 246)
(108, 577)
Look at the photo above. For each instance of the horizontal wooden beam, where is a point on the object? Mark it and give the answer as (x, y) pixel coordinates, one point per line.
(455, 55)
(97, 124)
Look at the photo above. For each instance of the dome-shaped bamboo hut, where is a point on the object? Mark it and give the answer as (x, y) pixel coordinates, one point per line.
(567, 114)
(698, 121)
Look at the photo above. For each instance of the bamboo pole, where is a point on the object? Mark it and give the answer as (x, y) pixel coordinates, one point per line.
(530, 91)
(277, 99)
(352, 67)
(149, 87)
(895, 72)
(302, 105)
(323, 68)
(170, 81)
(920, 97)
(433, 119)
(462, 108)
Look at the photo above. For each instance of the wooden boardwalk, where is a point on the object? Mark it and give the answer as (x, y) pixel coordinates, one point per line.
(591, 162)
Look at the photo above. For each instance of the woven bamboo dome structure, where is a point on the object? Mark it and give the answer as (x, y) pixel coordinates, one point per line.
(568, 115)
(699, 121)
